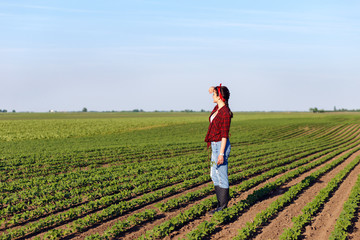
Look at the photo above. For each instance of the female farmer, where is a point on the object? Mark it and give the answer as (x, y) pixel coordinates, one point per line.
(218, 137)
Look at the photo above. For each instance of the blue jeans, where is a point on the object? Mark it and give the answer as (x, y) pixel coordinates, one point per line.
(219, 173)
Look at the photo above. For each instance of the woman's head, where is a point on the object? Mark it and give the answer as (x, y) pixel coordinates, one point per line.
(222, 93)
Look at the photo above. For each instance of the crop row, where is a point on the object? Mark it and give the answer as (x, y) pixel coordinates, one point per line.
(102, 188)
(64, 203)
(267, 171)
(348, 214)
(231, 213)
(61, 162)
(75, 191)
(290, 195)
(276, 168)
(195, 211)
(112, 233)
(68, 215)
(42, 164)
(128, 170)
(59, 205)
(170, 225)
(67, 203)
(319, 200)
(45, 195)
(98, 208)
(46, 180)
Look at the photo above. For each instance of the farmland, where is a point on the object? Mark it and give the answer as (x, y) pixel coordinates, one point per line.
(146, 176)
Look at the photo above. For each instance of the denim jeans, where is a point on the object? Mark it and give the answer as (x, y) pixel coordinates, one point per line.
(219, 173)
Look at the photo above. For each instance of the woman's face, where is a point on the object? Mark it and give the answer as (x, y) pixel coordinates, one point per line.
(215, 97)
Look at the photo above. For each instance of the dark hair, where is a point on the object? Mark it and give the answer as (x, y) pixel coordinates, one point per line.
(225, 94)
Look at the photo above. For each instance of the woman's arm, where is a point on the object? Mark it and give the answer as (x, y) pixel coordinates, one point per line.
(222, 151)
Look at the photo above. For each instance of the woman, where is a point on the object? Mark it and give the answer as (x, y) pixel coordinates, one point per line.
(218, 137)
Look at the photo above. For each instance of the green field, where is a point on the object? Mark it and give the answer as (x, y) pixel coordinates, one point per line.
(146, 175)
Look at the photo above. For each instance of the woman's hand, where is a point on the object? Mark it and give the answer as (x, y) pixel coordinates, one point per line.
(211, 89)
(220, 160)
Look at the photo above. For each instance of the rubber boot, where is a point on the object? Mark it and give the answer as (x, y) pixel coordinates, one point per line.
(217, 188)
(224, 198)
(217, 191)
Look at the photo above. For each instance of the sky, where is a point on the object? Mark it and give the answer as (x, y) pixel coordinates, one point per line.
(163, 55)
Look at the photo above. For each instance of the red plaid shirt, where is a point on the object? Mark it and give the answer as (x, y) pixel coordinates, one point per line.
(220, 125)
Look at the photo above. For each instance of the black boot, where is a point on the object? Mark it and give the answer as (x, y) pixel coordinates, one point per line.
(224, 198)
(217, 191)
(217, 188)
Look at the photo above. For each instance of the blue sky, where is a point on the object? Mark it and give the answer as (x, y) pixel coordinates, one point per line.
(163, 55)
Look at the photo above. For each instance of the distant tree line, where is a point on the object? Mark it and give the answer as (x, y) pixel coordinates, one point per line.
(141, 110)
(316, 110)
(5, 111)
(345, 110)
(138, 110)
(185, 110)
(134, 110)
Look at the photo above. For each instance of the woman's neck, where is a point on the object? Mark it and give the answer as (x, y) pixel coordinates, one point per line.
(220, 104)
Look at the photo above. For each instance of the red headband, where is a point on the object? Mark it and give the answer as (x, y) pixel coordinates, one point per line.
(219, 93)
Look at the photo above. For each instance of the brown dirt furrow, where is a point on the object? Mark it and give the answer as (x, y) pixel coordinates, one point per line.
(276, 226)
(283, 219)
(183, 231)
(324, 222)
